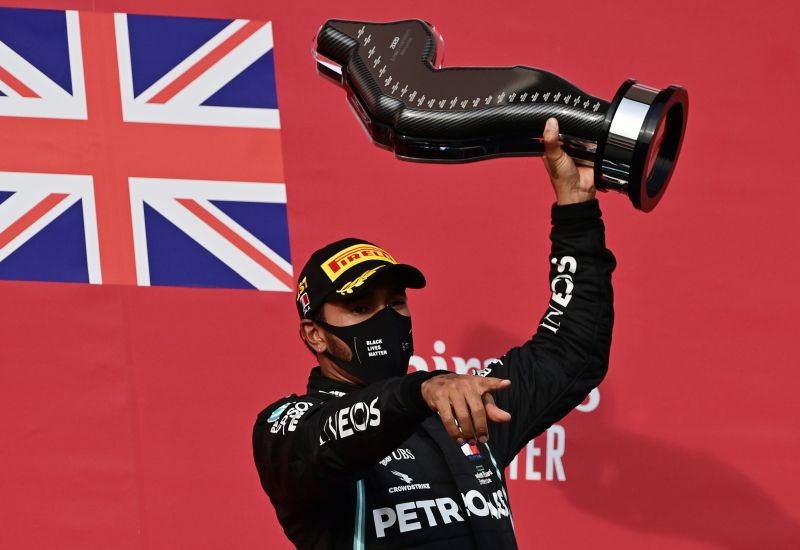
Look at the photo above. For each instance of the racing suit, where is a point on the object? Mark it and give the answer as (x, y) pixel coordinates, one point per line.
(372, 467)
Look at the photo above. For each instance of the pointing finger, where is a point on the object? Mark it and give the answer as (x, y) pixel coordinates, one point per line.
(493, 412)
(490, 383)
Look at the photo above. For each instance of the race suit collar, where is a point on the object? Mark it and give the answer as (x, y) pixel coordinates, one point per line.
(319, 383)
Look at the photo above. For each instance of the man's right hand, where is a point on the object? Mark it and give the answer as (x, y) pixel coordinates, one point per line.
(571, 183)
(465, 405)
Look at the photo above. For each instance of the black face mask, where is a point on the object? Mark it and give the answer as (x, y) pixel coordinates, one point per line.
(382, 346)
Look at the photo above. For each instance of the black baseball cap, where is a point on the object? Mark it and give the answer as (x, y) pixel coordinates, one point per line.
(342, 269)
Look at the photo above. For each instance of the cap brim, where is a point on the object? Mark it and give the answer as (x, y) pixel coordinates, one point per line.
(407, 275)
(404, 275)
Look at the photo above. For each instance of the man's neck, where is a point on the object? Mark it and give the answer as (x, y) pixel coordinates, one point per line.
(333, 371)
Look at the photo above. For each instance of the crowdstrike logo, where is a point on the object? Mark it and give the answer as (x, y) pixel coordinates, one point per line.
(409, 486)
(403, 476)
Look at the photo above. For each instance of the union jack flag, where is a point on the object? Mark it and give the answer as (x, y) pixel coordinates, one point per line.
(140, 150)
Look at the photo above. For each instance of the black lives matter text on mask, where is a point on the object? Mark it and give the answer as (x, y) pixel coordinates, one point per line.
(375, 347)
(542, 459)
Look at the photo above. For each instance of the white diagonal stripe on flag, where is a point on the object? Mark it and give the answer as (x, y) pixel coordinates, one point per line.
(229, 222)
(217, 245)
(53, 101)
(29, 190)
(37, 226)
(18, 204)
(123, 55)
(29, 75)
(180, 110)
(162, 195)
(226, 69)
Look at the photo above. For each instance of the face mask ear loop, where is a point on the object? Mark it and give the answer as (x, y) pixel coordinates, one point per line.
(354, 348)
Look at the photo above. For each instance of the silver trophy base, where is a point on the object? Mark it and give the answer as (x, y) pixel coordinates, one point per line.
(637, 154)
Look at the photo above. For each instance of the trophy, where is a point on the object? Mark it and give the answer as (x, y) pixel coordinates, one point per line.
(395, 82)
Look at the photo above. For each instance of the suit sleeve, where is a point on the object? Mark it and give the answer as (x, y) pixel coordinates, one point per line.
(305, 446)
(568, 355)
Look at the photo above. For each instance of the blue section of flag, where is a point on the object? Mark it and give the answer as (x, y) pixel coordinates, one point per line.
(265, 220)
(49, 52)
(56, 253)
(158, 44)
(175, 259)
(253, 87)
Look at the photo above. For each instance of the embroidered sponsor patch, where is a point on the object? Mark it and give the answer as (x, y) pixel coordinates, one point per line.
(287, 415)
(276, 414)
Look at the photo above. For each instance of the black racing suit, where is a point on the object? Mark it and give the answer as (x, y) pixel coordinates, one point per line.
(372, 467)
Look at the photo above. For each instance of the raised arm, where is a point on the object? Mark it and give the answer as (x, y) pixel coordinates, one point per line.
(568, 355)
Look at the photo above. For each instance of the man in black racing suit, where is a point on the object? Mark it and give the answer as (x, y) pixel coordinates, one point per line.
(362, 461)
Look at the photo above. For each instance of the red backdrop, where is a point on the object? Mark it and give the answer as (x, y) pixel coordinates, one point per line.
(127, 411)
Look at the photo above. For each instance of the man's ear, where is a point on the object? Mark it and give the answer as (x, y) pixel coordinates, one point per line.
(312, 335)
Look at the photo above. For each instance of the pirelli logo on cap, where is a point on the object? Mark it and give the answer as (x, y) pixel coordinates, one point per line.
(353, 255)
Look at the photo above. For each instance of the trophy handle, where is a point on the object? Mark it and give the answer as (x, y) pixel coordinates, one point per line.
(411, 105)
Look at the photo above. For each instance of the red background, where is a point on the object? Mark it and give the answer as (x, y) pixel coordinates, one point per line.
(127, 411)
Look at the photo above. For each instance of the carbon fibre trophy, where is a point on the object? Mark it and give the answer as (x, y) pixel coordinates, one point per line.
(394, 79)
